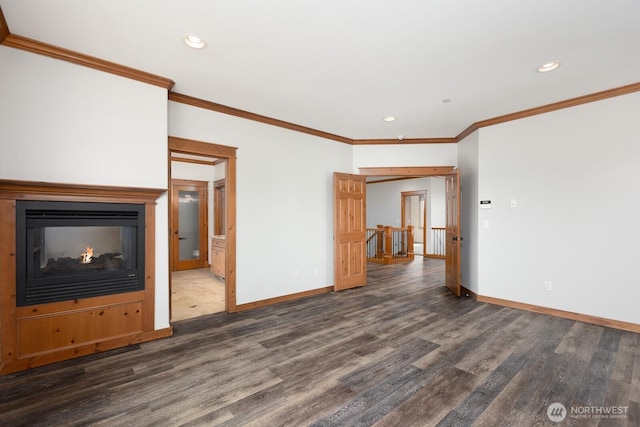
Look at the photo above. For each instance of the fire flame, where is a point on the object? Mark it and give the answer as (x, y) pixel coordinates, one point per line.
(87, 256)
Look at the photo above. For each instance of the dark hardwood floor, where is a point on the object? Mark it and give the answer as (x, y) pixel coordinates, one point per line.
(402, 351)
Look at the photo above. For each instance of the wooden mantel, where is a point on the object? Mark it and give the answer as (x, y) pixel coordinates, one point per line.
(40, 334)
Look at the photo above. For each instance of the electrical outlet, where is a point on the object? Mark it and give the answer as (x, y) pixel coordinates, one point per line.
(296, 274)
(547, 285)
(317, 271)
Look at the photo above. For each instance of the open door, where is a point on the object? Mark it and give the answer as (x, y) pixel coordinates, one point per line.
(453, 237)
(349, 231)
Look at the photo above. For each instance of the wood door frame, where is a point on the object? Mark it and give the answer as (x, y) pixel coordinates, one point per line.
(403, 196)
(203, 241)
(214, 151)
(417, 172)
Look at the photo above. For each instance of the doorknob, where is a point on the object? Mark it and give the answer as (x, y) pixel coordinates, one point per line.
(455, 238)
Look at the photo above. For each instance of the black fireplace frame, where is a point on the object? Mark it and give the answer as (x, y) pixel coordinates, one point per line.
(39, 290)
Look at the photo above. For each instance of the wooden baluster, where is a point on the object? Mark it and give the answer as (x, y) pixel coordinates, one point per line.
(380, 240)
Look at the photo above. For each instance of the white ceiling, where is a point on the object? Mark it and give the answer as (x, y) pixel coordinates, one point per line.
(341, 66)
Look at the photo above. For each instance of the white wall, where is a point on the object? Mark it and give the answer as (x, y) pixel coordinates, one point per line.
(404, 155)
(573, 173)
(384, 200)
(468, 164)
(436, 199)
(284, 200)
(64, 123)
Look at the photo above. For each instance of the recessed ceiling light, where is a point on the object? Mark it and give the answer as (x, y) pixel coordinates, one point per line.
(389, 119)
(549, 66)
(194, 41)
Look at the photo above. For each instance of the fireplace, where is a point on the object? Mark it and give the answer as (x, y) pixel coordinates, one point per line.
(73, 250)
(77, 270)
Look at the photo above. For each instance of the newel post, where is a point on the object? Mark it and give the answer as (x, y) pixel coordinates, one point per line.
(388, 244)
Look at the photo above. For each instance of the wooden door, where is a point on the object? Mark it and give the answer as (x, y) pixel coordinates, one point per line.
(453, 233)
(349, 231)
(189, 224)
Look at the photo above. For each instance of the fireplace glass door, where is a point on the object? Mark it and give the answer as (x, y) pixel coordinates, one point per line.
(62, 251)
(72, 250)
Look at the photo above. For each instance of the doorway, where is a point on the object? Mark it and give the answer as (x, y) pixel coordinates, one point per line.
(414, 212)
(453, 238)
(210, 172)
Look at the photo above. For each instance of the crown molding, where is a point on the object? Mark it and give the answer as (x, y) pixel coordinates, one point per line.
(404, 141)
(37, 47)
(598, 96)
(411, 171)
(208, 105)
(4, 28)
(568, 103)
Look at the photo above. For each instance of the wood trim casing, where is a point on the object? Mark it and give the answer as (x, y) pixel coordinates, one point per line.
(190, 146)
(50, 191)
(37, 47)
(595, 320)
(402, 178)
(200, 148)
(4, 28)
(230, 251)
(415, 171)
(195, 161)
(573, 102)
(404, 141)
(290, 297)
(208, 105)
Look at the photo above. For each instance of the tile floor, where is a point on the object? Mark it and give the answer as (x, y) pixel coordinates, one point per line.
(195, 293)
